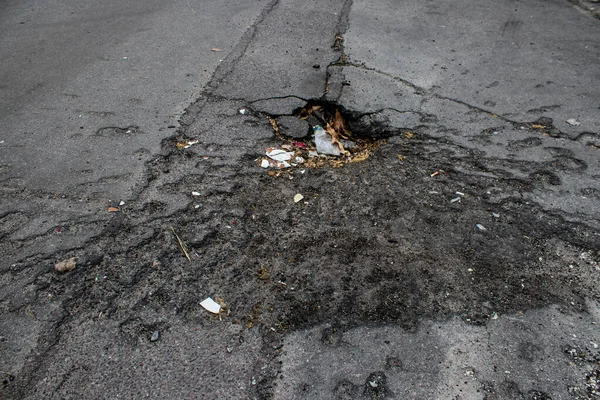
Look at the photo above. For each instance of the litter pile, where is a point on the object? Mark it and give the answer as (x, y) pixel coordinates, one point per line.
(332, 142)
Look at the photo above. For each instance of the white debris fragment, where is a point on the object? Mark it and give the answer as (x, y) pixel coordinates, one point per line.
(480, 227)
(121, 203)
(323, 142)
(264, 163)
(299, 160)
(495, 215)
(460, 193)
(197, 206)
(298, 197)
(211, 306)
(195, 193)
(279, 155)
(190, 143)
(573, 122)
(454, 200)
(243, 111)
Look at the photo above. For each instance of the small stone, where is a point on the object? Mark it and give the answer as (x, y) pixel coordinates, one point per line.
(155, 336)
(573, 122)
(66, 265)
(293, 127)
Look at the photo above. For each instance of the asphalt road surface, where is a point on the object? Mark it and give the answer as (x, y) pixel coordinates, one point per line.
(454, 254)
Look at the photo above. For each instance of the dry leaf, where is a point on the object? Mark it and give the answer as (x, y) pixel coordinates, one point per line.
(536, 126)
(113, 209)
(335, 139)
(339, 124)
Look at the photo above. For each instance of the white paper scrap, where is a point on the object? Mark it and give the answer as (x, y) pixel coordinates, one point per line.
(279, 155)
(211, 306)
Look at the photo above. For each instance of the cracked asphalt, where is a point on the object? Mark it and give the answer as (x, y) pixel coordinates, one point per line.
(460, 260)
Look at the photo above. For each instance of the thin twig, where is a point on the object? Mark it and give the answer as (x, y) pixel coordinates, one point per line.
(182, 245)
(188, 3)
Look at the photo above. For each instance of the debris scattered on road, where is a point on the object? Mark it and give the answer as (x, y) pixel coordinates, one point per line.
(155, 336)
(121, 203)
(215, 49)
(298, 198)
(278, 158)
(182, 245)
(195, 193)
(454, 200)
(263, 274)
(538, 126)
(324, 142)
(299, 144)
(243, 111)
(186, 144)
(480, 227)
(279, 155)
(274, 164)
(460, 194)
(66, 265)
(436, 173)
(211, 306)
(113, 209)
(573, 122)
(495, 215)
(331, 143)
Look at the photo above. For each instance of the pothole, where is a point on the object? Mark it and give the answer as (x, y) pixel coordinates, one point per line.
(317, 135)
